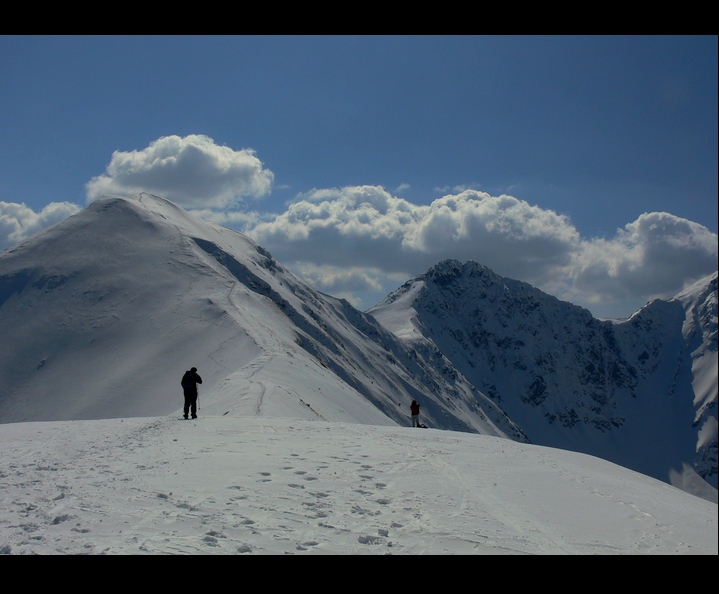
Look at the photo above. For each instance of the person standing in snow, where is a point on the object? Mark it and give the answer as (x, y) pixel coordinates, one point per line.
(189, 387)
(414, 409)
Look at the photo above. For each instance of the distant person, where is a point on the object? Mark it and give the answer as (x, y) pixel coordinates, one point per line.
(414, 409)
(189, 387)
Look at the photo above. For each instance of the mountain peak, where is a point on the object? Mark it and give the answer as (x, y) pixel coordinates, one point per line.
(132, 291)
(570, 380)
(102, 314)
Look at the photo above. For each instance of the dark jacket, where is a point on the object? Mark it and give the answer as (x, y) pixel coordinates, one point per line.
(414, 408)
(190, 381)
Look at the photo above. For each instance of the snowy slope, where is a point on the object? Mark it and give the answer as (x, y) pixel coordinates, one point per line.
(103, 313)
(227, 485)
(641, 393)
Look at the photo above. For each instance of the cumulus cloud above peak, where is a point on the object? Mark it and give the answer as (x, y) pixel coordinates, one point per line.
(657, 256)
(361, 242)
(193, 172)
(410, 238)
(18, 221)
(365, 227)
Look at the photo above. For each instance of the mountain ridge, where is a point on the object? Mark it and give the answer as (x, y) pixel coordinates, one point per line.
(128, 284)
(572, 381)
(113, 304)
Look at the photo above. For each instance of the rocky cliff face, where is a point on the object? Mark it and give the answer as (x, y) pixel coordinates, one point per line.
(641, 393)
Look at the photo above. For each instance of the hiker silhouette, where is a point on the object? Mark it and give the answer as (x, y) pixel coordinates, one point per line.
(189, 388)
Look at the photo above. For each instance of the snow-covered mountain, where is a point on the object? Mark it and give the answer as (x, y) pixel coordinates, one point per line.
(102, 313)
(641, 393)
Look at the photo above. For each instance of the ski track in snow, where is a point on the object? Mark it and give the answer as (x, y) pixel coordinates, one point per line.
(283, 488)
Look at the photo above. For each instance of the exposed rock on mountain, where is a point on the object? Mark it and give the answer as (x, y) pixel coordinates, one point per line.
(642, 393)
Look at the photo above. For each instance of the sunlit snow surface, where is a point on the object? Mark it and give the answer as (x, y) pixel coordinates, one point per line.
(253, 486)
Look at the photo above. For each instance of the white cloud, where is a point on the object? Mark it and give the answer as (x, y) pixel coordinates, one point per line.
(381, 238)
(656, 256)
(18, 221)
(504, 233)
(192, 171)
(367, 227)
(363, 287)
(361, 242)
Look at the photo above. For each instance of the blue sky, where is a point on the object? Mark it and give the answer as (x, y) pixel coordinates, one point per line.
(585, 165)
